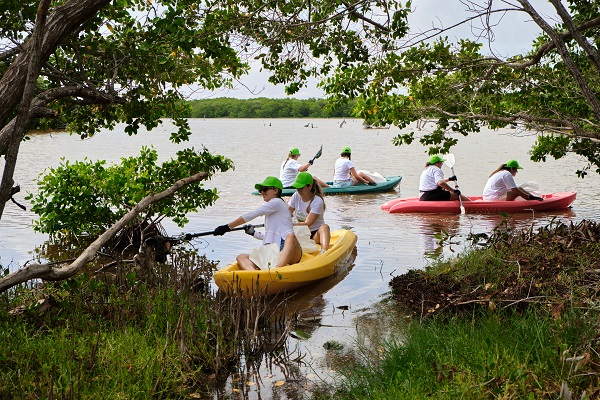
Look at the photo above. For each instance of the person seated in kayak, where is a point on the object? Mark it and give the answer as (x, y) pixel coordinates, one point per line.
(308, 206)
(433, 186)
(291, 167)
(501, 185)
(278, 226)
(345, 173)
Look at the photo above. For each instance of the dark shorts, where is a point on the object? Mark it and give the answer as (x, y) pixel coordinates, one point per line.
(438, 194)
(313, 233)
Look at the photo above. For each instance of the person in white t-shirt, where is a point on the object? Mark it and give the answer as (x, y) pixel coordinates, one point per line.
(345, 173)
(278, 226)
(501, 185)
(291, 167)
(308, 206)
(433, 186)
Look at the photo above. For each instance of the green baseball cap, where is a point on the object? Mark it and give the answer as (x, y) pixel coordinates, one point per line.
(294, 151)
(435, 159)
(346, 150)
(270, 181)
(513, 164)
(302, 179)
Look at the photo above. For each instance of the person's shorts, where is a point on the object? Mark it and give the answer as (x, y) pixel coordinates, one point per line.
(313, 233)
(346, 183)
(438, 194)
(281, 244)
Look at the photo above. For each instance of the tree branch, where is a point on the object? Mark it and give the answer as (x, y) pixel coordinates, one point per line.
(582, 41)
(47, 272)
(561, 47)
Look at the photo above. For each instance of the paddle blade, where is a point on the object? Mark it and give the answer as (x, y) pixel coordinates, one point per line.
(462, 210)
(450, 160)
(319, 153)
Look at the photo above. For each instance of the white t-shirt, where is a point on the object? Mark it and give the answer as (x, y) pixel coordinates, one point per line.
(342, 169)
(317, 206)
(288, 172)
(430, 178)
(278, 221)
(497, 186)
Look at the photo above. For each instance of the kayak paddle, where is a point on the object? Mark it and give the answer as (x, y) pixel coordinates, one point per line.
(449, 161)
(319, 153)
(190, 236)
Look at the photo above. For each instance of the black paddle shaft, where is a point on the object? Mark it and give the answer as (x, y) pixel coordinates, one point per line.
(189, 236)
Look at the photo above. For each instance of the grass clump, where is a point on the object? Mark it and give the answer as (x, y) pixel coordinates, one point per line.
(118, 336)
(516, 319)
(488, 356)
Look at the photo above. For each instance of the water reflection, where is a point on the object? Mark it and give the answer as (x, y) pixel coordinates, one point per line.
(284, 376)
(437, 234)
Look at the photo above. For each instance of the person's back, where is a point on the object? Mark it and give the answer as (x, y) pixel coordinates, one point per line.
(345, 173)
(342, 169)
(501, 184)
(498, 185)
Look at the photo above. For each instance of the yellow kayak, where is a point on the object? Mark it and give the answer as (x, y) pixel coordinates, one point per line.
(312, 267)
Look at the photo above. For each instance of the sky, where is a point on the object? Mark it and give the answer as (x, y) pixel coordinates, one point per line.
(513, 34)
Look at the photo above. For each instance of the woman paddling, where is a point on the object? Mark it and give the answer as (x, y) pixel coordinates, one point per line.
(278, 226)
(433, 186)
(345, 173)
(308, 206)
(291, 167)
(501, 184)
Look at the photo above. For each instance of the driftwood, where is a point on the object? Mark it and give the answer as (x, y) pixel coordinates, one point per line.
(49, 273)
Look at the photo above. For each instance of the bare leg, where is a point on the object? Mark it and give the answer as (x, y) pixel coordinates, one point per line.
(516, 192)
(291, 253)
(366, 177)
(323, 236)
(244, 262)
(321, 183)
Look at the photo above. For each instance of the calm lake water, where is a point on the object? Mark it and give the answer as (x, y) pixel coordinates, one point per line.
(388, 244)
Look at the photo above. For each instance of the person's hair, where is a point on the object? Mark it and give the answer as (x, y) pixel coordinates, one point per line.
(315, 190)
(500, 168)
(346, 154)
(288, 159)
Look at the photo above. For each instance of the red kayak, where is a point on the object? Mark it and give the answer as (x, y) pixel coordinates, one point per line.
(552, 202)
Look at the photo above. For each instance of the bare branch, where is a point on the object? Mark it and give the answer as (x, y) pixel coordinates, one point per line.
(561, 47)
(49, 273)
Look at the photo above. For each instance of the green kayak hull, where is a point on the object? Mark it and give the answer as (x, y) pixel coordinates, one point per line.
(390, 183)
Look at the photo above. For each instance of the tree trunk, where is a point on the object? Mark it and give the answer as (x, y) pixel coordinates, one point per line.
(62, 21)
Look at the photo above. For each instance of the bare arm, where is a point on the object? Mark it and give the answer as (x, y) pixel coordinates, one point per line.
(304, 167)
(442, 183)
(310, 219)
(236, 222)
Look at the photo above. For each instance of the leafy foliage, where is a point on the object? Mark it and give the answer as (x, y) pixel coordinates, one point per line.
(459, 88)
(86, 197)
(266, 108)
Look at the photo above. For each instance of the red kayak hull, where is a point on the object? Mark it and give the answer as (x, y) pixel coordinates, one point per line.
(552, 202)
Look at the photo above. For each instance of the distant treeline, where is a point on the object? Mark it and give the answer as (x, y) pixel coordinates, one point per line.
(262, 107)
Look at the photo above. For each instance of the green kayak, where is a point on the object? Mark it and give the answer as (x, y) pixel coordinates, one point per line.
(390, 183)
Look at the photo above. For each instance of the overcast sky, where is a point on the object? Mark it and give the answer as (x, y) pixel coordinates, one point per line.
(513, 34)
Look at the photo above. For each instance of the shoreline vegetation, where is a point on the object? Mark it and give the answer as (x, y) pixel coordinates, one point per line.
(262, 107)
(516, 318)
(227, 107)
